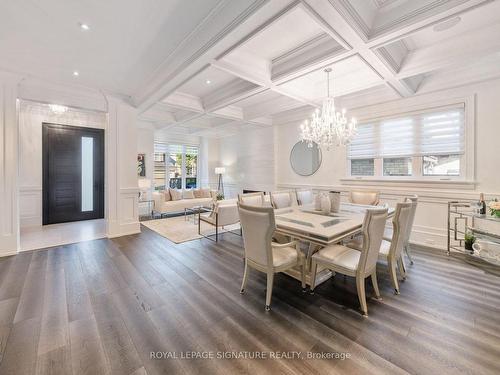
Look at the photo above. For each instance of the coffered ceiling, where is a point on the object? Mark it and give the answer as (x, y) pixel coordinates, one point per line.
(214, 67)
(378, 50)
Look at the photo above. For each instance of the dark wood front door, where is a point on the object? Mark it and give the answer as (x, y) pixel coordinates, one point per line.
(73, 173)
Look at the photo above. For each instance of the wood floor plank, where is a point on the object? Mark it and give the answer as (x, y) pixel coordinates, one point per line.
(120, 351)
(54, 332)
(87, 353)
(20, 354)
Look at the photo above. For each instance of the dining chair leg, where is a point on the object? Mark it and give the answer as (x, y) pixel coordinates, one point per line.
(394, 278)
(245, 277)
(314, 270)
(375, 285)
(402, 267)
(360, 286)
(303, 275)
(269, 291)
(408, 254)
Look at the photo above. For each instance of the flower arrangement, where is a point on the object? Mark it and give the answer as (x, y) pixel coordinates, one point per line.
(494, 207)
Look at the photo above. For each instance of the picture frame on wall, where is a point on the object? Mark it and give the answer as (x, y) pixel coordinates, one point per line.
(141, 165)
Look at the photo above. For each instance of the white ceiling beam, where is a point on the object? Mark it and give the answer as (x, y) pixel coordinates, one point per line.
(452, 52)
(229, 94)
(158, 113)
(184, 101)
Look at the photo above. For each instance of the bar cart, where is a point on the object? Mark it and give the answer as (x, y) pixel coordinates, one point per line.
(463, 218)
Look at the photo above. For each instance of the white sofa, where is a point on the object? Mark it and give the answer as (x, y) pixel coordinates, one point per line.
(163, 206)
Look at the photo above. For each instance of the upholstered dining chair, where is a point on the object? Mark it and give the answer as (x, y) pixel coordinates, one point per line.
(414, 200)
(224, 213)
(252, 199)
(391, 251)
(304, 196)
(370, 198)
(261, 253)
(283, 198)
(352, 262)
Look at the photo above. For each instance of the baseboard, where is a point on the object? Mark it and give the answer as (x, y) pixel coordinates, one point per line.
(123, 229)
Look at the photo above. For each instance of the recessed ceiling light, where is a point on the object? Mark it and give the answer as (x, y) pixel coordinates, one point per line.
(208, 82)
(76, 74)
(448, 24)
(84, 26)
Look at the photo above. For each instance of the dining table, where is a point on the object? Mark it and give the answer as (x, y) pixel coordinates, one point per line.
(317, 229)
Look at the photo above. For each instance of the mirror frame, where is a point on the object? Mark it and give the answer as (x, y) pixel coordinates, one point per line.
(319, 164)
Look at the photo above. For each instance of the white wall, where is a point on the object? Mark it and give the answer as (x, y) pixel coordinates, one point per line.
(249, 161)
(430, 223)
(145, 145)
(31, 117)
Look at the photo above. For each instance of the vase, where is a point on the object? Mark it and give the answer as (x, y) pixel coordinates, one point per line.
(317, 201)
(334, 200)
(326, 204)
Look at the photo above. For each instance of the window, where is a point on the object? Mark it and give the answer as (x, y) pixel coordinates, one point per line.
(176, 166)
(397, 166)
(362, 167)
(160, 171)
(441, 165)
(191, 166)
(424, 144)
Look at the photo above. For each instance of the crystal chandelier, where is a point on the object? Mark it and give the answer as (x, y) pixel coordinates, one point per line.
(58, 109)
(328, 127)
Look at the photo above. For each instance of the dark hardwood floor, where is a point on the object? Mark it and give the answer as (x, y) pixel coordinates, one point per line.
(101, 307)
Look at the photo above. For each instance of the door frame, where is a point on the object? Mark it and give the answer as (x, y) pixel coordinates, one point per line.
(100, 150)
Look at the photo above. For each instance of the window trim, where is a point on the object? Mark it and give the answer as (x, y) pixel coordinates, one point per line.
(467, 160)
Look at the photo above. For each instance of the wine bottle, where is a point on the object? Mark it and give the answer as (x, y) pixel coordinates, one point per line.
(482, 204)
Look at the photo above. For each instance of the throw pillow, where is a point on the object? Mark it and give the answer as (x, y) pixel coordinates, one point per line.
(166, 194)
(175, 194)
(198, 193)
(187, 194)
(205, 193)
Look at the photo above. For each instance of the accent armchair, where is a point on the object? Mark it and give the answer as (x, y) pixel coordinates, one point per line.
(224, 213)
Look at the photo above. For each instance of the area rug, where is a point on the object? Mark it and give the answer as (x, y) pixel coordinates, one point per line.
(178, 229)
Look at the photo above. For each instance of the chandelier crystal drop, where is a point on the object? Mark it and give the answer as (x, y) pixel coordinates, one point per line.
(58, 109)
(328, 127)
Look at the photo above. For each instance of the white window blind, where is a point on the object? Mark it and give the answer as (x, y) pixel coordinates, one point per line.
(436, 132)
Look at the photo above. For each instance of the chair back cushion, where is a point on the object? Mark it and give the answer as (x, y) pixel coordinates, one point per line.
(227, 213)
(373, 231)
(364, 197)
(282, 199)
(252, 199)
(399, 228)
(305, 197)
(258, 226)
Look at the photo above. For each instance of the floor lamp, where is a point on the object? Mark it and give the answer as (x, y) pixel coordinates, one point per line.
(220, 186)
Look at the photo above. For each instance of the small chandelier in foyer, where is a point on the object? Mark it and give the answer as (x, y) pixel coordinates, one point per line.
(328, 127)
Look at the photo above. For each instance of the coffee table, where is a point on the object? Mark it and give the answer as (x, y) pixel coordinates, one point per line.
(195, 211)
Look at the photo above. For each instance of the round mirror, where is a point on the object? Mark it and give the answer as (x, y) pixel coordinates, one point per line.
(305, 160)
